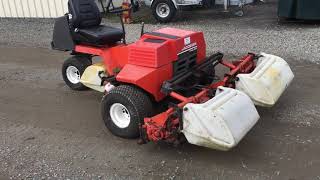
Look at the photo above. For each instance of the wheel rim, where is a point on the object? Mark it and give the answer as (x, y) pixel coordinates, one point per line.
(120, 115)
(163, 10)
(73, 74)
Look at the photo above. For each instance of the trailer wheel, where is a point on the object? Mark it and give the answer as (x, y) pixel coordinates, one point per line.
(72, 70)
(123, 109)
(163, 10)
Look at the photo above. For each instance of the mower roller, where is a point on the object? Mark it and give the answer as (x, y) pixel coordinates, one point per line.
(163, 87)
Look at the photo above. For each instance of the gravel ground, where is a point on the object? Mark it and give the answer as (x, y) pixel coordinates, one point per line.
(259, 30)
(48, 131)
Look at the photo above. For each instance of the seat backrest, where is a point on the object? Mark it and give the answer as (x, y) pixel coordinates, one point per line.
(85, 13)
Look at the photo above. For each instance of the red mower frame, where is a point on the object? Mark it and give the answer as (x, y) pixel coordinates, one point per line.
(166, 125)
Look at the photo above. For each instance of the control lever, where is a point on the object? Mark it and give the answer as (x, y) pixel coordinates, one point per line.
(142, 29)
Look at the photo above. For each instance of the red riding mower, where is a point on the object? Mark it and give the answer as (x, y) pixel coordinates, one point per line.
(166, 68)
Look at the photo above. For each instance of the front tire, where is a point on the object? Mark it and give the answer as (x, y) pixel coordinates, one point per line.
(72, 70)
(163, 10)
(123, 109)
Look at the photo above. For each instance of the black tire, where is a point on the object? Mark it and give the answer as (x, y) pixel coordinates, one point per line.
(137, 103)
(80, 63)
(171, 13)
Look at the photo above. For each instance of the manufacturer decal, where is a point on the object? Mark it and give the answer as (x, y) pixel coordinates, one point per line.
(187, 41)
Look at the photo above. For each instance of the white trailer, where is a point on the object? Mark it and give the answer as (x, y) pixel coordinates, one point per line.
(165, 10)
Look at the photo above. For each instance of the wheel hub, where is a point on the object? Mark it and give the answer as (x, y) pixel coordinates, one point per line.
(120, 115)
(73, 74)
(163, 10)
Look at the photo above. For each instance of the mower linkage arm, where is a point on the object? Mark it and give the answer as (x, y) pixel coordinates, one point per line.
(245, 65)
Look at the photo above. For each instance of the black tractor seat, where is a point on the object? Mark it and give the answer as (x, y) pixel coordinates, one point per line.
(98, 35)
(85, 25)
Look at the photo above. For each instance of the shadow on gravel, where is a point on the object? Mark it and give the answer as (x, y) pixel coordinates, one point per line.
(296, 23)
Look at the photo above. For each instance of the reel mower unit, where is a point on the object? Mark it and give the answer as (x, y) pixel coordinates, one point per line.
(163, 87)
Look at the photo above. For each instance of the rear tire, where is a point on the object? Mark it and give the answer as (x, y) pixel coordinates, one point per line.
(123, 109)
(72, 70)
(163, 10)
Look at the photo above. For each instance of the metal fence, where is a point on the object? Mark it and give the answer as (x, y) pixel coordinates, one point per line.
(33, 8)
